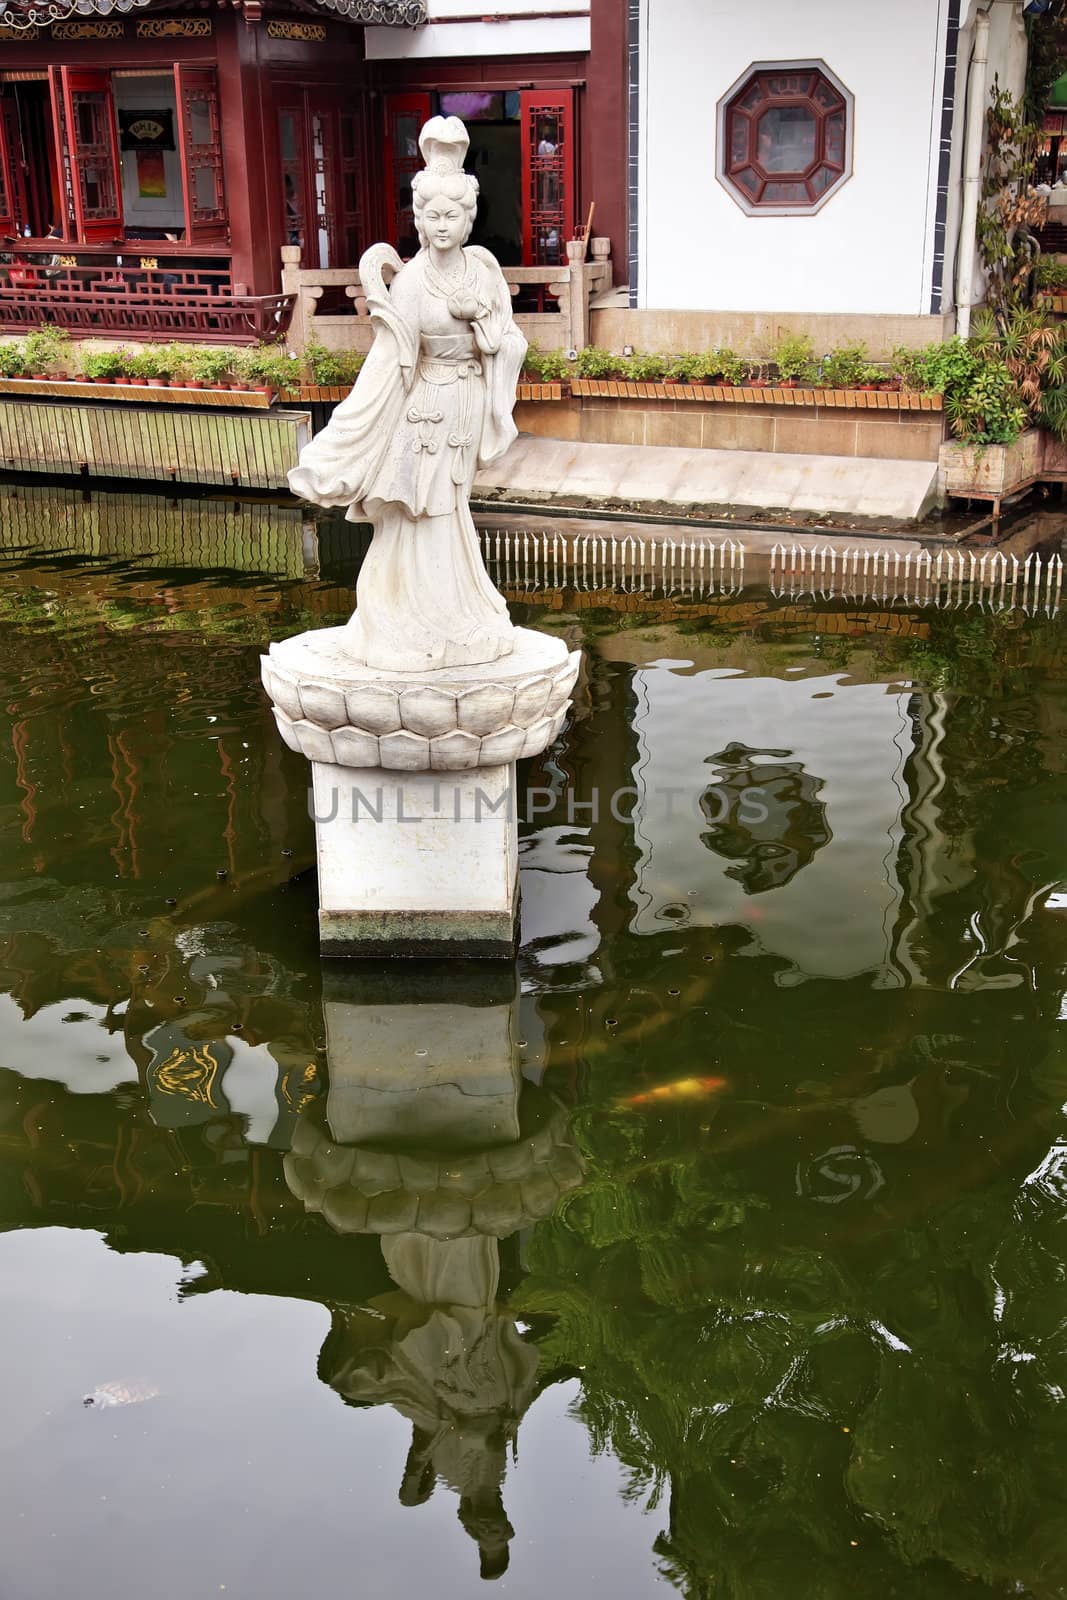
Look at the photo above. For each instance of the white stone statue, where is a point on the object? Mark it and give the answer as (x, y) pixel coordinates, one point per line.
(431, 404)
(429, 676)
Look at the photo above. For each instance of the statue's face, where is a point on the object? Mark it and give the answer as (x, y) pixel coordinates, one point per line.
(444, 222)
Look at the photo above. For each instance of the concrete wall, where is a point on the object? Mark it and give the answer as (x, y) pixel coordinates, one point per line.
(755, 333)
(781, 430)
(524, 30)
(870, 249)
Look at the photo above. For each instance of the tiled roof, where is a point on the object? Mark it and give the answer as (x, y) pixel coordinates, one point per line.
(40, 13)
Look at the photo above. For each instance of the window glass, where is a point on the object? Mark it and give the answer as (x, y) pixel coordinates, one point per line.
(486, 105)
(199, 122)
(205, 189)
(786, 139)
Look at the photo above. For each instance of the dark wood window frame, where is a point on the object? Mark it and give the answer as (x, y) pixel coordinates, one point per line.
(807, 88)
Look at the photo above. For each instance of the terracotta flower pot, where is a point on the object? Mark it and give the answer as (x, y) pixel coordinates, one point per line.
(156, 383)
(193, 383)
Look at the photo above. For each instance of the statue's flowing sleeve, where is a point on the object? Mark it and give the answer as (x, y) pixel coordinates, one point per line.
(503, 351)
(340, 465)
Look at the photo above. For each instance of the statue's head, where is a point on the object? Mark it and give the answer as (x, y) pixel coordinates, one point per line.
(443, 142)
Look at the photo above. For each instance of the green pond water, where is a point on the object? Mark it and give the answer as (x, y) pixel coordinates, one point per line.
(716, 1248)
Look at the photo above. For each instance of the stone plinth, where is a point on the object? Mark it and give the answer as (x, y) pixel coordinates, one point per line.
(414, 788)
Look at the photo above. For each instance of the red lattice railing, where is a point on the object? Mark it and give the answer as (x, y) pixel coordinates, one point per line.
(149, 297)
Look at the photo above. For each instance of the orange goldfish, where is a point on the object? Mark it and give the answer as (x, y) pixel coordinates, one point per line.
(680, 1089)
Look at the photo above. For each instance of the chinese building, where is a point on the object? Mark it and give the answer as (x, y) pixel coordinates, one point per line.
(154, 158)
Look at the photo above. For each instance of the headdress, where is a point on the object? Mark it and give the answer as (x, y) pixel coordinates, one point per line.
(443, 142)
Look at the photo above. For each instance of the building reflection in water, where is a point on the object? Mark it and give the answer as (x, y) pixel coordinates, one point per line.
(431, 1139)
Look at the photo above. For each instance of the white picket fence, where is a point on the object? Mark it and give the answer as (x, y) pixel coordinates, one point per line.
(521, 559)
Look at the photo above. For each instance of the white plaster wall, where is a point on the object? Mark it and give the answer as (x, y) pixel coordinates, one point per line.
(866, 251)
(523, 30)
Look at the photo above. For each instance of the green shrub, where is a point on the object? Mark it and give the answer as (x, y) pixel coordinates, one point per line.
(106, 364)
(148, 362)
(1052, 273)
(269, 366)
(989, 409)
(593, 362)
(730, 367)
(48, 349)
(690, 367)
(13, 363)
(648, 367)
(794, 357)
(332, 367)
(546, 366)
(210, 365)
(937, 368)
(842, 367)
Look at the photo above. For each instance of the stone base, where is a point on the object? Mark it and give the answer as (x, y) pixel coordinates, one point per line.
(416, 864)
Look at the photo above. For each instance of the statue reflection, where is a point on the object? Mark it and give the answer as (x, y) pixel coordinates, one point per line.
(432, 1140)
(765, 815)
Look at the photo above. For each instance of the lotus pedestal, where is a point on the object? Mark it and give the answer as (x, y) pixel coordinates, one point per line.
(414, 786)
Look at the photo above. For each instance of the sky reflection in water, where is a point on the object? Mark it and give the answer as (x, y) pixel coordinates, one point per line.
(429, 1281)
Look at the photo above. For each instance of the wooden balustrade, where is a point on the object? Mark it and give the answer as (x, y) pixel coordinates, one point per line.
(551, 303)
(143, 294)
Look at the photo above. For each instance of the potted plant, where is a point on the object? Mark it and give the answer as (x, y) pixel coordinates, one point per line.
(545, 366)
(332, 369)
(732, 370)
(104, 366)
(46, 351)
(597, 371)
(145, 367)
(794, 359)
(13, 362)
(265, 367)
(843, 366)
(209, 366)
(176, 358)
(648, 367)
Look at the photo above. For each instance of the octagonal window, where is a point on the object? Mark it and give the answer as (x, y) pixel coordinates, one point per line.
(785, 138)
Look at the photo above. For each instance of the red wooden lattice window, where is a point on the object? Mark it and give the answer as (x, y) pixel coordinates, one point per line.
(785, 138)
(323, 184)
(405, 115)
(200, 144)
(349, 188)
(290, 147)
(547, 124)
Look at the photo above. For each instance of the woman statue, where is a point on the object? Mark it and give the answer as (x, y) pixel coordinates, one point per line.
(432, 402)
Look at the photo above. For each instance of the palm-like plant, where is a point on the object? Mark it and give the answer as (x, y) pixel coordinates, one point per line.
(1034, 350)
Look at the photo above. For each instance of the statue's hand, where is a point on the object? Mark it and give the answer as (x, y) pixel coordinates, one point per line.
(466, 307)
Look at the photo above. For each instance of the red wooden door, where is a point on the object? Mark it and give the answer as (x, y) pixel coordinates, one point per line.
(404, 118)
(548, 174)
(64, 167)
(11, 212)
(88, 148)
(200, 146)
